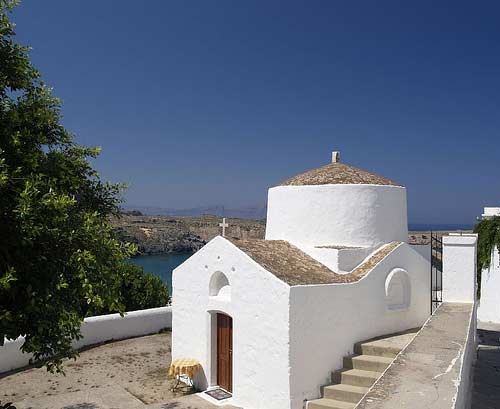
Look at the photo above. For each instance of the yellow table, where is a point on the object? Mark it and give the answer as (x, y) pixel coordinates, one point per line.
(184, 368)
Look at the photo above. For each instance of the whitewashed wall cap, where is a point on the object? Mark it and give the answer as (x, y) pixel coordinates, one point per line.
(469, 239)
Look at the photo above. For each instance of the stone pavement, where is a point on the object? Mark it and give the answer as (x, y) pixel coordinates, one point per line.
(486, 386)
(128, 374)
(113, 398)
(188, 402)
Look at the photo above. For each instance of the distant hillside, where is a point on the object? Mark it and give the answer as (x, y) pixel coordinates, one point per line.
(164, 234)
(252, 212)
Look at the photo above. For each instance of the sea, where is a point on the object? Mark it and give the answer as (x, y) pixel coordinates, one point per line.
(439, 227)
(163, 264)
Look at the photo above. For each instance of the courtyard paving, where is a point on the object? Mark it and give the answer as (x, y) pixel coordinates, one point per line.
(128, 374)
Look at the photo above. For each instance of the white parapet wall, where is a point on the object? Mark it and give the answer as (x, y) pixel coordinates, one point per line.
(96, 330)
(133, 324)
(459, 268)
(11, 356)
(463, 397)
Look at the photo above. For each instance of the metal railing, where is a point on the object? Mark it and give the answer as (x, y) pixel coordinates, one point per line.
(436, 270)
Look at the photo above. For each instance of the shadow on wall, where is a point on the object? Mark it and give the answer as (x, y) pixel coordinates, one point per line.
(489, 338)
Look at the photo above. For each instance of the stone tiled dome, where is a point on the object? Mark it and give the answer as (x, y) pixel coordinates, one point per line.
(337, 173)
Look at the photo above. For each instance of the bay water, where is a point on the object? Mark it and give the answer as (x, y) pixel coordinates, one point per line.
(162, 265)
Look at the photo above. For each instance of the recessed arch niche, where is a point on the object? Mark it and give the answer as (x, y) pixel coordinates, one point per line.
(219, 286)
(398, 290)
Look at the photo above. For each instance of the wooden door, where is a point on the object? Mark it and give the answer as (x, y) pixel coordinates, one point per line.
(225, 352)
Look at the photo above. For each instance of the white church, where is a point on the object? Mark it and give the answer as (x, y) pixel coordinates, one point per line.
(270, 320)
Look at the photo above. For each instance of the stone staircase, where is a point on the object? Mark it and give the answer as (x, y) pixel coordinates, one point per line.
(360, 371)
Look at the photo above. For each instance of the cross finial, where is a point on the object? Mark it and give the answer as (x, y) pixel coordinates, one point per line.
(223, 225)
(335, 156)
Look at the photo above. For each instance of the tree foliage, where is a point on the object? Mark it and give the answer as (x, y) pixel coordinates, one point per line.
(489, 238)
(60, 259)
(139, 290)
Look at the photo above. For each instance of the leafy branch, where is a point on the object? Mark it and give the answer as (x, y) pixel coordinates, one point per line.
(489, 238)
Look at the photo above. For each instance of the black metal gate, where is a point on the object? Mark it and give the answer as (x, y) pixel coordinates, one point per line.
(436, 270)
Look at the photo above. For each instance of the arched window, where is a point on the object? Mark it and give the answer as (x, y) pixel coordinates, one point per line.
(398, 290)
(219, 286)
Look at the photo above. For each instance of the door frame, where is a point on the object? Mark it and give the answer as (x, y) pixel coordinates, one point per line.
(219, 317)
(212, 347)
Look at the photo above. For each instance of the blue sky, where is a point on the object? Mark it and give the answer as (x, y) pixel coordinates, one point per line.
(211, 102)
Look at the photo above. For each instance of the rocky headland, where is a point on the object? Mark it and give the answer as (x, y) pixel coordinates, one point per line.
(164, 234)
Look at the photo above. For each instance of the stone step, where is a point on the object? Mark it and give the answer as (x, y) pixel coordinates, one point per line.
(356, 377)
(325, 403)
(343, 392)
(367, 362)
(361, 371)
(376, 349)
(388, 346)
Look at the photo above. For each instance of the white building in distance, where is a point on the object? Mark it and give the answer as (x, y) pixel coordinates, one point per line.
(269, 320)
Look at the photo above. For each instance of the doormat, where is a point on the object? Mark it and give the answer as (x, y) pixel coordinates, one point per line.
(218, 394)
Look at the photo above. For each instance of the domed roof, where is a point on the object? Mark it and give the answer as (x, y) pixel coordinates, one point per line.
(337, 173)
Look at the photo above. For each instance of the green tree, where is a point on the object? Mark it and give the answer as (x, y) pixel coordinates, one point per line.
(139, 290)
(59, 256)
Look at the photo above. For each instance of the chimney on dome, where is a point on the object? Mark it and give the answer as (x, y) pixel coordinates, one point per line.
(335, 156)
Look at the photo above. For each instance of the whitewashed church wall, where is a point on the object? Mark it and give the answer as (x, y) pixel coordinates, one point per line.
(327, 320)
(339, 260)
(96, 330)
(489, 304)
(327, 257)
(348, 215)
(423, 249)
(351, 258)
(258, 303)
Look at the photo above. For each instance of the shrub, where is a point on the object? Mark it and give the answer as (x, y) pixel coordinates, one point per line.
(489, 238)
(138, 291)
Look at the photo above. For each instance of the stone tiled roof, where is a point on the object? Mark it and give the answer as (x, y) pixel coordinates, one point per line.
(294, 267)
(367, 265)
(337, 173)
